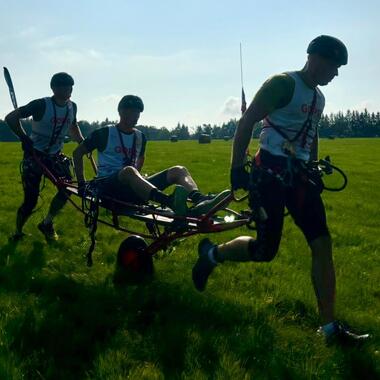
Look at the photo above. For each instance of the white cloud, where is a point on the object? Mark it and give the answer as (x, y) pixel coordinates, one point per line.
(231, 108)
(98, 108)
(369, 104)
(54, 42)
(329, 108)
(73, 57)
(180, 62)
(107, 99)
(64, 51)
(27, 32)
(12, 39)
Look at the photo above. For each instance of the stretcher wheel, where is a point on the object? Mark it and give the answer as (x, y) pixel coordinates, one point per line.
(133, 264)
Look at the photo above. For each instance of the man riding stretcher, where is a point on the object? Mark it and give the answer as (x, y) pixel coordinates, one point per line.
(121, 155)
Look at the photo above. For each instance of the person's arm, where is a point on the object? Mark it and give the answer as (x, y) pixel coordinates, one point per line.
(140, 163)
(255, 113)
(74, 130)
(97, 140)
(78, 154)
(140, 160)
(75, 133)
(314, 148)
(35, 108)
(275, 93)
(314, 153)
(13, 121)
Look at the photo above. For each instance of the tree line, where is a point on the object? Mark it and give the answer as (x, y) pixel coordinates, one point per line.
(349, 124)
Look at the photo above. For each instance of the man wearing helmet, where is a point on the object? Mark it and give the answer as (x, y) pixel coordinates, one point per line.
(53, 118)
(121, 154)
(290, 106)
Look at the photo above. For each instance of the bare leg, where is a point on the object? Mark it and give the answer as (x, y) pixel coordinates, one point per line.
(235, 250)
(131, 177)
(56, 205)
(179, 175)
(323, 277)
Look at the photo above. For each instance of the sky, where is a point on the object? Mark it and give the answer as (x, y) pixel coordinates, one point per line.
(182, 57)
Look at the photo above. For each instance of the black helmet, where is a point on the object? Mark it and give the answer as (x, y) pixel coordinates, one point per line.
(329, 47)
(61, 79)
(131, 101)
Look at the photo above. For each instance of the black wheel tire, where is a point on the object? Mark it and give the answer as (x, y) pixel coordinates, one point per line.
(134, 265)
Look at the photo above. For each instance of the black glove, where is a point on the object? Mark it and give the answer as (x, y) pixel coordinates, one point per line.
(26, 143)
(81, 188)
(239, 178)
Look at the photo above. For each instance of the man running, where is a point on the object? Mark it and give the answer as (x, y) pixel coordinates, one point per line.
(121, 155)
(290, 106)
(53, 118)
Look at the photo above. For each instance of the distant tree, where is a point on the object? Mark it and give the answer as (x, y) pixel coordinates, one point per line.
(181, 131)
(349, 124)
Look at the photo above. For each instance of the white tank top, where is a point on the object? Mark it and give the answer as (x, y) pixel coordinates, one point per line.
(290, 120)
(43, 129)
(114, 157)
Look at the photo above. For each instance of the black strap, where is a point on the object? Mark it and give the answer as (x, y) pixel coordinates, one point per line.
(91, 215)
(56, 130)
(129, 161)
(306, 126)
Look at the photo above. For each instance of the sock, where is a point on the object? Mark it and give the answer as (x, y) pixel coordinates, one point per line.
(195, 196)
(329, 328)
(217, 256)
(211, 256)
(159, 197)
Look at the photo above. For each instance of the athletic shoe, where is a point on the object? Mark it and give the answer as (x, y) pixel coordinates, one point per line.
(17, 236)
(343, 336)
(179, 200)
(203, 197)
(205, 206)
(48, 231)
(204, 266)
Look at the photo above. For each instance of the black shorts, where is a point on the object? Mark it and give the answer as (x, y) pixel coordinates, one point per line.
(302, 200)
(112, 187)
(31, 173)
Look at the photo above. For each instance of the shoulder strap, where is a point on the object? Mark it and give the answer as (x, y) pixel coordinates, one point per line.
(305, 126)
(129, 161)
(57, 130)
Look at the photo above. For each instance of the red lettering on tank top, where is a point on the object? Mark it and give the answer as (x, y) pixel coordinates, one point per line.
(127, 151)
(306, 108)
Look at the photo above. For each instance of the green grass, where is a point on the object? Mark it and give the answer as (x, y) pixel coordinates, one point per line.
(62, 320)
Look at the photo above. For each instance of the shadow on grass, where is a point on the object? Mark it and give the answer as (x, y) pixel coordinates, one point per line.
(16, 268)
(6, 251)
(71, 324)
(360, 365)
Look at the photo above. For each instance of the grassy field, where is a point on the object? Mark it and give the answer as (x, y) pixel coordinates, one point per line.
(62, 320)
